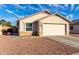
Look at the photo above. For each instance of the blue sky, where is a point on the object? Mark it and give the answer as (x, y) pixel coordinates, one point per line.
(13, 12)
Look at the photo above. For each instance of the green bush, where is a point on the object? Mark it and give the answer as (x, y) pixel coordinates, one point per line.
(4, 30)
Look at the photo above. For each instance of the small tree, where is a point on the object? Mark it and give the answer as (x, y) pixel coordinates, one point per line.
(8, 24)
(4, 22)
(4, 31)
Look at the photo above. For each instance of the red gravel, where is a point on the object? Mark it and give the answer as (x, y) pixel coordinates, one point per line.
(33, 46)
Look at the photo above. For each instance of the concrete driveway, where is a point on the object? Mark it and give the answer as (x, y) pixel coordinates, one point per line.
(68, 40)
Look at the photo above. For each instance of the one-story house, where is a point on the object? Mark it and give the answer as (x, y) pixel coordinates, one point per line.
(74, 27)
(43, 24)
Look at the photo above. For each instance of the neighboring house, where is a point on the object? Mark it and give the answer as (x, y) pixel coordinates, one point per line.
(3, 27)
(43, 24)
(74, 27)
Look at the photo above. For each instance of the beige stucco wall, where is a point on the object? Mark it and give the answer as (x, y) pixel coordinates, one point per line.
(21, 26)
(22, 23)
(68, 29)
(54, 19)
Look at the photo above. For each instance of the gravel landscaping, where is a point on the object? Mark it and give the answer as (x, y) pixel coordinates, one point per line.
(14, 45)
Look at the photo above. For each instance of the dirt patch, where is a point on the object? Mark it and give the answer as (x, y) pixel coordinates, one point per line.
(33, 46)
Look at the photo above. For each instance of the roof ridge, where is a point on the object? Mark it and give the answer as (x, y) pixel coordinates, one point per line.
(62, 16)
(44, 17)
(55, 14)
(74, 21)
(46, 10)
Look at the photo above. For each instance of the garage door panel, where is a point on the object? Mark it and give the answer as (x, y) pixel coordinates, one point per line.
(53, 29)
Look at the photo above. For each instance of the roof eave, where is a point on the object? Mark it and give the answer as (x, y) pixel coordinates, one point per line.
(62, 17)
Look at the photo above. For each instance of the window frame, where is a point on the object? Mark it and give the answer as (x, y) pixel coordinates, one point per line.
(28, 27)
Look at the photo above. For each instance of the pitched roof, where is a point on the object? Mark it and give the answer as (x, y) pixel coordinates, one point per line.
(63, 17)
(47, 11)
(75, 21)
(57, 15)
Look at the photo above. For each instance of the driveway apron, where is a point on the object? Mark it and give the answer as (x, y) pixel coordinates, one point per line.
(68, 40)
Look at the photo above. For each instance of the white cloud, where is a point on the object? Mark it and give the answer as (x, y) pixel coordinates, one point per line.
(56, 5)
(64, 13)
(33, 8)
(18, 6)
(77, 8)
(41, 7)
(70, 16)
(59, 6)
(50, 4)
(67, 17)
(72, 6)
(12, 13)
(66, 5)
(9, 11)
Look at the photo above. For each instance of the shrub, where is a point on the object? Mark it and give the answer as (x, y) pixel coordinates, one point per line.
(4, 30)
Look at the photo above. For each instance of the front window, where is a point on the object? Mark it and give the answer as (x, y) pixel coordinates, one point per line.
(28, 26)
